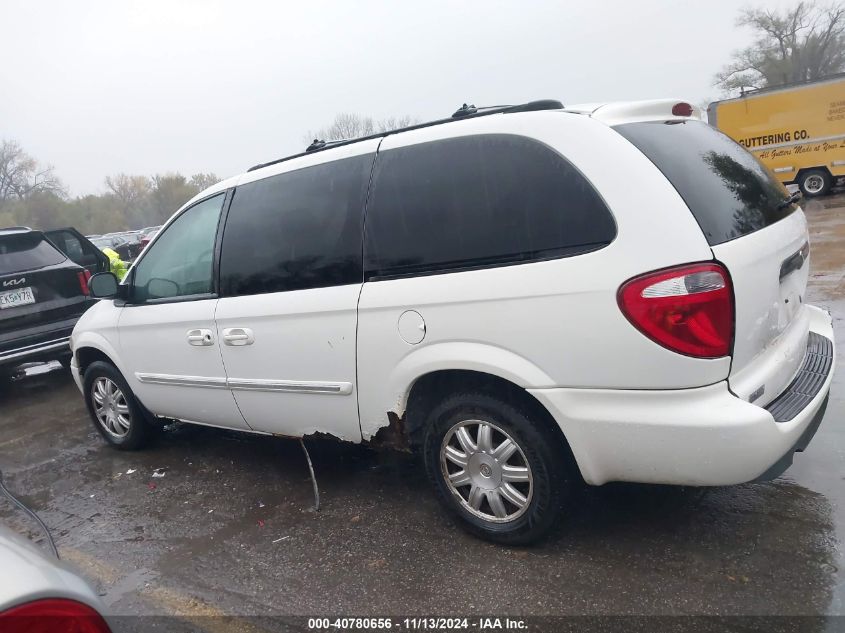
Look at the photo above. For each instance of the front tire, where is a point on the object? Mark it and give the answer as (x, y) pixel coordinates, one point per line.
(113, 408)
(504, 474)
(814, 183)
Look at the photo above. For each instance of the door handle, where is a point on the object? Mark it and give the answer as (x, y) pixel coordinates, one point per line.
(238, 336)
(200, 337)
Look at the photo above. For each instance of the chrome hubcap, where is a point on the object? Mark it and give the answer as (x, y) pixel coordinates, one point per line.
(814, 184)
(110, 407)
(486, 471)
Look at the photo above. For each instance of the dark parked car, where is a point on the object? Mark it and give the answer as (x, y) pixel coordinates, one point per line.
(120, 245)
(134, 240)
(79, 249)
(148, 234)
(42, 295)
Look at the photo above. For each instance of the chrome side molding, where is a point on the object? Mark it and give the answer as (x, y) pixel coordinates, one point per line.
(242, 384)
(291, 386)
(181, 381)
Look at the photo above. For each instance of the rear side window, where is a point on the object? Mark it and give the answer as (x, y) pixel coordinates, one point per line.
(478, 201)
(728, 190)
(69, 244)
(27, 251)
(301, 229)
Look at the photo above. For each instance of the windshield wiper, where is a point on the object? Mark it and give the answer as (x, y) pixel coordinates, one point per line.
(795, 197)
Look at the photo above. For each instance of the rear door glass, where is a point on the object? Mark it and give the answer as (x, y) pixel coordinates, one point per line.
(728, 190)
(27, 251)
(296, 230)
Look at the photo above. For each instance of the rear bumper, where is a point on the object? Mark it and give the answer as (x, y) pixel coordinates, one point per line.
(698, 437)
(54, 347)
(45, 341)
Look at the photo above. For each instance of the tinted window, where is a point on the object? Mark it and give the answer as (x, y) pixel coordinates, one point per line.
(301, 229)
(180, 263)
(69, 244)
(476, 201)
(27, 251)
(728, 190)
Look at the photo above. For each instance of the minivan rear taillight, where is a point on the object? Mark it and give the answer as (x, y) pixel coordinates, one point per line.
(52, 614)
(83, 276)
(687, 309)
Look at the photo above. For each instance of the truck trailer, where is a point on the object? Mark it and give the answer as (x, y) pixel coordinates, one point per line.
(796, 130)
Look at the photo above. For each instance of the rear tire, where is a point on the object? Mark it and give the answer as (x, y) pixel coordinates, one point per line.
(114, 410)
(502, 473)
(815, 182)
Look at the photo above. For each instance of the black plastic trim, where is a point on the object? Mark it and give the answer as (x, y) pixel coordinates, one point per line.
(780, 466)
(179, 299)
(808, 381)
(795, 261)
(218, 240)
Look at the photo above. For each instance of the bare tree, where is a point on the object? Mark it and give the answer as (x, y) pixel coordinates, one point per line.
(348, 125)
(203, 181)
(22, 176)
(129, 190)
(396, 122)
(801, 44)
(170, 191)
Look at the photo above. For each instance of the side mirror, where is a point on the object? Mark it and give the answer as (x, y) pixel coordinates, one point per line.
(103, 286)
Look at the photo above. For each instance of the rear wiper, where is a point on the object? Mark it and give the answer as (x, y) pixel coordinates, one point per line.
(795, 197)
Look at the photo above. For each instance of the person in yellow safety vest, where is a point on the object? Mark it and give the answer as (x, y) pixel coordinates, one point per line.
(117, 265)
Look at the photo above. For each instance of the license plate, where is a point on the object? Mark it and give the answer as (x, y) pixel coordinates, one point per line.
(15, 298)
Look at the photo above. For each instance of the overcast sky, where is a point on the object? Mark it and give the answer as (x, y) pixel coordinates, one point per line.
(97, 88)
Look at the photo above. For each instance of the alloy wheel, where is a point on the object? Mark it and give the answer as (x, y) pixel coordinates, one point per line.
(486, 471)
(111, 407)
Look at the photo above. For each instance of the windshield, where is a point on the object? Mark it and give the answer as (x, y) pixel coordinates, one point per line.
(728, 190)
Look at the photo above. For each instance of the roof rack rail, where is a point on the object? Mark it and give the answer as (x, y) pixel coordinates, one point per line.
(464, 112)
(469, 110)
(315, 145)
(318, 144)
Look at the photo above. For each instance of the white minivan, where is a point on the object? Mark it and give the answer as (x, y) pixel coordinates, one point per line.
(530, 296)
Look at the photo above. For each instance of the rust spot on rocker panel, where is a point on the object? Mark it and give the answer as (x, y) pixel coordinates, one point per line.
(394, 436)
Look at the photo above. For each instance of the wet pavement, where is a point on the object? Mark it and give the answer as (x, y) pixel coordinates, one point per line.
(229, 528)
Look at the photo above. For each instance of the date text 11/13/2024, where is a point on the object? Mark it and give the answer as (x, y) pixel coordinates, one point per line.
(417, 624)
